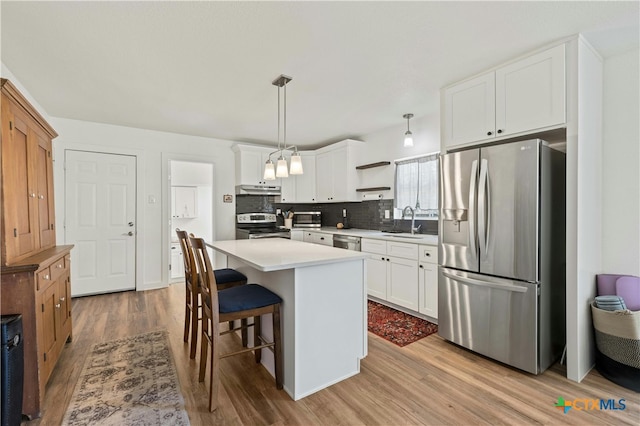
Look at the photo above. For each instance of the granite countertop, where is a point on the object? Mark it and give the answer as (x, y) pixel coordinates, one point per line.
(377, 235)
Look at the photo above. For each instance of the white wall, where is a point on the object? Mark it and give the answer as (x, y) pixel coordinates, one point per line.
(387, 145)
(620, 159)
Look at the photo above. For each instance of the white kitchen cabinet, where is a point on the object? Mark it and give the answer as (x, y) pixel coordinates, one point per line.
(428, 281)
(297, 235)
(306, 183)
(177, 262)
(521, 97)
(184, 202)
(336, 175)
(318, 238)
(250, 161)
(376, 266)
(390, 277)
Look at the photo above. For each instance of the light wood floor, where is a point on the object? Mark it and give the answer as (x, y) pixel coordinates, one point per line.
(427, 382)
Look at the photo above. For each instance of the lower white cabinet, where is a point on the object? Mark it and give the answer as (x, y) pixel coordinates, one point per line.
(428, 281)
(392, 278)
(318, 238)
(402, 282)
(177, 262)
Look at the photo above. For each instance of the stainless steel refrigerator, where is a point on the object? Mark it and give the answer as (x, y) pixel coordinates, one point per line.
(501, 279)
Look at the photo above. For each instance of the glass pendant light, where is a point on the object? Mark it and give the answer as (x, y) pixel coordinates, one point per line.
(408, 136)
(296, 164)
(281, 168)
(269, 171)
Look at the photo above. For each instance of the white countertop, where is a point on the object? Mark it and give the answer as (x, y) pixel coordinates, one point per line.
(274, 254)
(427, 239)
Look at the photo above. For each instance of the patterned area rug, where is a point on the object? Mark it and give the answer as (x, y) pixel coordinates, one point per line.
(397, 327)
(130, 381)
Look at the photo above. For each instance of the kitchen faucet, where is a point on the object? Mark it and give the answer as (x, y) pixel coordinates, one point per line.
(413, 218)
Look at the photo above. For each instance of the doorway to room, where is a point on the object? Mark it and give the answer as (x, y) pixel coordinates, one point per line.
(191, 208)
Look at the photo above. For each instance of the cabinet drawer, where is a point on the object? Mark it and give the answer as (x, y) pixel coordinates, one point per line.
(43, 279)
(405, 250)
(57, 268)
(373, 246)
(429, 254)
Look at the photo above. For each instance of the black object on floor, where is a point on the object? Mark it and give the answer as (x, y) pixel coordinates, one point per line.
(12, 360)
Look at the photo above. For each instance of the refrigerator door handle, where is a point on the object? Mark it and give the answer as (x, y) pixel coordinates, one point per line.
(472, 210)
(483, 207)
(467, 280)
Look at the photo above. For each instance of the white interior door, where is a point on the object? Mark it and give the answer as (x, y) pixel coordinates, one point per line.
(100, 221)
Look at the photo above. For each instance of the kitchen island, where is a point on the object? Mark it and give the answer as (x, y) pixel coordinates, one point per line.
(324, 308)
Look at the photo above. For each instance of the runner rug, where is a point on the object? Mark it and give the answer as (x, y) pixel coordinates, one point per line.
(397, 327)
(130, 381)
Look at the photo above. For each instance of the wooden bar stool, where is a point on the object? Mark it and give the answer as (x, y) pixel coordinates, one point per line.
(247, 301)
(226, 278)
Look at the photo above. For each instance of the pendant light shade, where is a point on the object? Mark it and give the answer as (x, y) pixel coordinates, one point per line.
(280, 169)
(269, 171)
(408, 136)
(296, 164)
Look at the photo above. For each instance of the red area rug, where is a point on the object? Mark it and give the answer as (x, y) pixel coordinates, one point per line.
(397, 327)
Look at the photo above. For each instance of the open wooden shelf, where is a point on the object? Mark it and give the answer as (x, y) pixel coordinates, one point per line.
(378, 164)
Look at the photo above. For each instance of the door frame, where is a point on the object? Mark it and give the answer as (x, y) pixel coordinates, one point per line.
(167, 157)
(60, 175)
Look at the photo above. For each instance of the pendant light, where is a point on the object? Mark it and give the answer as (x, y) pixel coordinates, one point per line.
(280, 169)
(408, 136)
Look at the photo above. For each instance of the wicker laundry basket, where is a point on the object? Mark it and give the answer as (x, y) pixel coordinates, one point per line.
(618, 346)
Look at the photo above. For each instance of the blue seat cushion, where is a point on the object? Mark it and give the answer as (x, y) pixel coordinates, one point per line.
(228, 275)
(245, 297)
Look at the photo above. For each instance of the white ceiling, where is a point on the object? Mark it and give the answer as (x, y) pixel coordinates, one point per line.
(205, 68)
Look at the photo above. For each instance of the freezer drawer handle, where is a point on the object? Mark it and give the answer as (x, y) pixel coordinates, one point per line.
(518, 289)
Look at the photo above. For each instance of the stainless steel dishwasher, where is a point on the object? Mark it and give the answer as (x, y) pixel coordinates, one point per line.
(346, 242)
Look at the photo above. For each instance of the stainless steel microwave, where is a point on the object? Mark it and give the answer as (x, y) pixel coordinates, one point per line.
(307, 219)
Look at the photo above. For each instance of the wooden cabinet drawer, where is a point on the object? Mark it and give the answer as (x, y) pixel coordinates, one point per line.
(405, 250)
(373, 246)
(57, 268)
(428, 254)
(43, 279)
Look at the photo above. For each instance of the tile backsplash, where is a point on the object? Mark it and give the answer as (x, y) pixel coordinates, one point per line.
(362, 215)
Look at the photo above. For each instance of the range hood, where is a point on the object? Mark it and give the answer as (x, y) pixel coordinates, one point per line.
(257, 190)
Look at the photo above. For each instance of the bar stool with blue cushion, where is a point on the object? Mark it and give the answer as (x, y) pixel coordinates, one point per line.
(247, 301)
(226, 278)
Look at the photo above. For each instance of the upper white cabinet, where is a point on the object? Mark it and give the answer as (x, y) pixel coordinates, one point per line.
(250, 162)
(521, 97)
(306, 182)
(336, 172)
(184, 202)
(301, 188)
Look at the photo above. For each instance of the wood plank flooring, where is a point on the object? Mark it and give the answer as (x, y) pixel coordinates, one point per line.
(429, 382)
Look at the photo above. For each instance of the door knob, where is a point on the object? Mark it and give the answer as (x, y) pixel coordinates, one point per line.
(130, 223)
(130, 234)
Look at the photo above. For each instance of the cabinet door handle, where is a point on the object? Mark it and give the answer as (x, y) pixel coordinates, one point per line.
(59, 266)
(499, 130)
(32, 195)
(421, 266)
(62, 299)
(57, 306)
(41, 196)
(426, 253)
(489, 133)
(46, 277)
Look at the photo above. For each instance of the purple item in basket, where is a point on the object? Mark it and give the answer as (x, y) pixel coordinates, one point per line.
(629, 289)
(606, 284)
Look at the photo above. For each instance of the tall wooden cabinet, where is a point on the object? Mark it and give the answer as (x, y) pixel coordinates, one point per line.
(36, 280)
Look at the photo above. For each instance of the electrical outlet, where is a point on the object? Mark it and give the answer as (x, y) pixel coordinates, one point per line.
(387, 214)
(278, 211)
